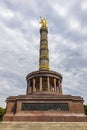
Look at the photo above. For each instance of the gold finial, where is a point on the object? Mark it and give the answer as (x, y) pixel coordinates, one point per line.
(43, 22)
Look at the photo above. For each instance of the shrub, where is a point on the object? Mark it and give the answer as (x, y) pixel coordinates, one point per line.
(85, 108)
(2, 112)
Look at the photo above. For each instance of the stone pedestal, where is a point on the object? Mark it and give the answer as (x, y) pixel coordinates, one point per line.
(45, 107)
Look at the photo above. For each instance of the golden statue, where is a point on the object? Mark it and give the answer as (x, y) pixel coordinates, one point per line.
(43, 22)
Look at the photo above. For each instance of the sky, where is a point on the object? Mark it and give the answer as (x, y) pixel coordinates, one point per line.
(20, 41)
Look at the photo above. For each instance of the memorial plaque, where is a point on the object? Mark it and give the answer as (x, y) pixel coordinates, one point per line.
(45, 107)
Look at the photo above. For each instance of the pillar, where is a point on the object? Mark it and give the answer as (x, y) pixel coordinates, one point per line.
(34, 89)
(44, 52)
(48, 83)
(28, 87)
(57, 87)
(40, 84)
(54, 85)
(60, 87)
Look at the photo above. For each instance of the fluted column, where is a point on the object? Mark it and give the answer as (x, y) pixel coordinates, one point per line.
(57, 87)
(54, 85)
(41, 84)
(34, 89)
(60, 87)
(28, 87)
(44, 52)
(48, 83)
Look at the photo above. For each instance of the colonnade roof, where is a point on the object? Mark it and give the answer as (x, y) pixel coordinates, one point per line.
(44, 73)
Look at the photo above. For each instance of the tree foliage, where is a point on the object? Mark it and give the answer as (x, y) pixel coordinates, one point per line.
(2, 112)
(85, 108)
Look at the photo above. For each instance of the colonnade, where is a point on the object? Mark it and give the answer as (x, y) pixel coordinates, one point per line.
(40, 84)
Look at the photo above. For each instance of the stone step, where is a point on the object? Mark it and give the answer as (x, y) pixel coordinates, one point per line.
(43, 126)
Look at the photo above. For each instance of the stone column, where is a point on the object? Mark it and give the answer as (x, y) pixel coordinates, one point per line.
(48, 83)
(44, 52)
(40, 84)
(60, 87)
(28, 87)
(57, 87)
(54, 85)
(34, 89)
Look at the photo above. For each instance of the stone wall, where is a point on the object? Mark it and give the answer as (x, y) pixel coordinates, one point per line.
(43, 126)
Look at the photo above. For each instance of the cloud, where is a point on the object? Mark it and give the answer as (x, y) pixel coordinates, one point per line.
(20, 40)
(6, 13)
(84, 5)
(61, 11)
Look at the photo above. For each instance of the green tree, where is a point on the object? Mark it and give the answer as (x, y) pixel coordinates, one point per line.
(2, 112)
(85, 108)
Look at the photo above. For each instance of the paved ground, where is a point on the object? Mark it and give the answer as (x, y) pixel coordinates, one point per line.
(43, 126)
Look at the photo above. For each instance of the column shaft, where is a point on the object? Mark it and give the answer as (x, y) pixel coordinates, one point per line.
(34, 89)
(41, 84)
(57, 86)
(48, 83)
(28, 87)
(60, 87)
(54, 85)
